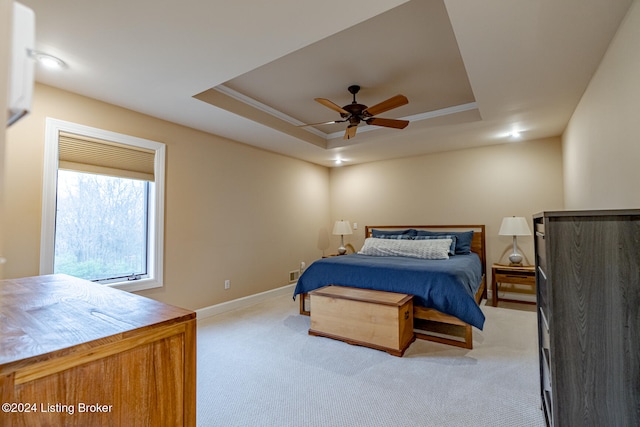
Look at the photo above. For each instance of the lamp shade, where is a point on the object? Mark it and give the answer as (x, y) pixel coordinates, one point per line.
(342, 227)
(514, 226)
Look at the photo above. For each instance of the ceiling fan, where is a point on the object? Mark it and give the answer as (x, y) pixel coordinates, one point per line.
(355, 113)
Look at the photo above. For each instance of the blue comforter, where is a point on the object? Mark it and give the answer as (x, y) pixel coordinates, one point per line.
(447, 285)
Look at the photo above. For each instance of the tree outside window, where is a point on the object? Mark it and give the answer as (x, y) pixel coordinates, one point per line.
(101, 226)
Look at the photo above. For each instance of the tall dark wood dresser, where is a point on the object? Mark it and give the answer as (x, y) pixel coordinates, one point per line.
(588, 293)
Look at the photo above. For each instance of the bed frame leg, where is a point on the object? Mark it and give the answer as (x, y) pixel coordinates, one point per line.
(304, 312)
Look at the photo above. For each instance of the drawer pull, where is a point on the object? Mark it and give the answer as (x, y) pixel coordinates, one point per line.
(542, 272)
(544, 320)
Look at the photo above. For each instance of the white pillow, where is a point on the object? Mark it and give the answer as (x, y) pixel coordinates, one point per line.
(424, 249)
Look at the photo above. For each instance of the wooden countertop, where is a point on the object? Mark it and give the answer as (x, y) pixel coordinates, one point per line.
(49, 316)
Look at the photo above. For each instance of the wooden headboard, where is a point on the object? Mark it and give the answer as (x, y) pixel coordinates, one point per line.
(478, 244)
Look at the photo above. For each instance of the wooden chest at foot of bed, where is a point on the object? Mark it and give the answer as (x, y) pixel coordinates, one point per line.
(375, 319)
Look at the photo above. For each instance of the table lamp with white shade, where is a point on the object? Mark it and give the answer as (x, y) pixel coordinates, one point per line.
(341, 228)
(515, 226)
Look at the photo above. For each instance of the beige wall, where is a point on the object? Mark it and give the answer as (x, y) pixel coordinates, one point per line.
(474, 186)
(601, 144)
(232, 211)
(239, 213)
(244, 214)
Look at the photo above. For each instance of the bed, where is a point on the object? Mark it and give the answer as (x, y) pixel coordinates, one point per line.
(446, 291)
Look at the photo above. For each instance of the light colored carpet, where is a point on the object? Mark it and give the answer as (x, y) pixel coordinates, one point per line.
(258, 367)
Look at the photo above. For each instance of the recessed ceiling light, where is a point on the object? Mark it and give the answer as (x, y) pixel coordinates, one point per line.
(515, 134)
(338, 161)
(46, 60)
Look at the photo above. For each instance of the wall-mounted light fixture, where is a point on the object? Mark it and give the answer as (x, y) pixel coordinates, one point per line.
(47, 60)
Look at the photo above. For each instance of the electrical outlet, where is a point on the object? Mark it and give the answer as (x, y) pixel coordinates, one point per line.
(227, 284)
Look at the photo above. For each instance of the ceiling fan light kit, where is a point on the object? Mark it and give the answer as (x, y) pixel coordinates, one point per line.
(356, 113)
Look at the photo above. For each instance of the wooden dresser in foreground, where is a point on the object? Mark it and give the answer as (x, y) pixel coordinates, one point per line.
(75, 353)
(588, 285)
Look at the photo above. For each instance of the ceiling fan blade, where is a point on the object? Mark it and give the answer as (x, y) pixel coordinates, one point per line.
(334, 107)
(389, 104)
(350, 132)
(389, 123)
(322, 123)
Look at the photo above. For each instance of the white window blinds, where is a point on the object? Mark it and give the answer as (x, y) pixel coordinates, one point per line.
(86, 154)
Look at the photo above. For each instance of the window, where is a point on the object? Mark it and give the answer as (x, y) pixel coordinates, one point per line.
(101, 227)
(102, 206)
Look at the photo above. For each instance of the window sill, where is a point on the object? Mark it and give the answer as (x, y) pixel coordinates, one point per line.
(136, 285)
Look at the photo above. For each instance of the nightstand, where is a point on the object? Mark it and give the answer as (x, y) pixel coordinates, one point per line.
(514, 275)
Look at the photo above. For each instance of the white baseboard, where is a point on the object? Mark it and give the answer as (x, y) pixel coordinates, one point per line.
(212, 310)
